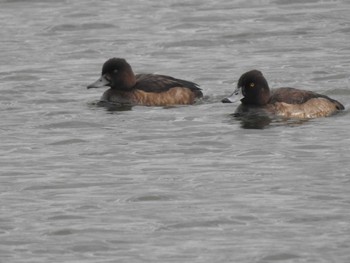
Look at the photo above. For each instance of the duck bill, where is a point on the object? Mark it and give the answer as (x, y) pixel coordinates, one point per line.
(234, 97)
(101, 82)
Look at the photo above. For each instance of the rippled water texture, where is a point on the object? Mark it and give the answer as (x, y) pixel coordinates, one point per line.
(83, 183)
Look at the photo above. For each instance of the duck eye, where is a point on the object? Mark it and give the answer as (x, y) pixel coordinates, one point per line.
(252, 85)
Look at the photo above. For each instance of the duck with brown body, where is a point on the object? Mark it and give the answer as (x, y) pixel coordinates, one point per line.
(285, 102)
(143, 89)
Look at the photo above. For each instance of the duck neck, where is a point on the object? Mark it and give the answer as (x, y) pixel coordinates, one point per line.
(264, 96)
(259, 98)
(125, 81)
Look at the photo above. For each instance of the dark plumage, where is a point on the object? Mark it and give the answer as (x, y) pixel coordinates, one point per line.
(143, 89)
(288, 102)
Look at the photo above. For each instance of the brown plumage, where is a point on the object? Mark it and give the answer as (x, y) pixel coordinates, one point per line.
(287, 102)
(143, 89)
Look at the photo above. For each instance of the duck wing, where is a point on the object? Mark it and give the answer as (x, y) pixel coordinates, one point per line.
(161, 83)
(298, 96)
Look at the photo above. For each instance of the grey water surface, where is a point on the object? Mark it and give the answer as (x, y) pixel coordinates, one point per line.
(83, 183)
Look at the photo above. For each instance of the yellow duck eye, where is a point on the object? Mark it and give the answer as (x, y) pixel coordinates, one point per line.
(252, 85)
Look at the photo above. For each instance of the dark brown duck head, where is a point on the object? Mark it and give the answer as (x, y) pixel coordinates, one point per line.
(117, 74)
(254, 88)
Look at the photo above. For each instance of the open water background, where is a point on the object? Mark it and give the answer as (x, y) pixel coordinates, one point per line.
(81, 183)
